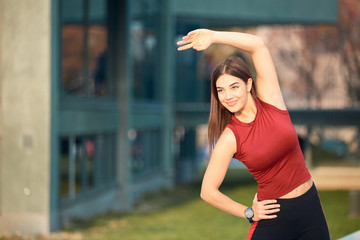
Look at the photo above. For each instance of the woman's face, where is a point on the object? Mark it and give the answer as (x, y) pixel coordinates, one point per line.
(233, 92)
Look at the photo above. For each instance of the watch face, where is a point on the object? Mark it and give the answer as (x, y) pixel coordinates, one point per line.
(249, 213)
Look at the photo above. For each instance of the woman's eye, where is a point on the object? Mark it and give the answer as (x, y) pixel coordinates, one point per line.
(219, 91)
(235, 87)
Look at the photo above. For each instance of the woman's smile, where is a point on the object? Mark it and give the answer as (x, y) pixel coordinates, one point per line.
(231, 103)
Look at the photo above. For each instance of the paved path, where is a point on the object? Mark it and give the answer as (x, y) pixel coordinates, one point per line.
(336, 178)
(353, 236)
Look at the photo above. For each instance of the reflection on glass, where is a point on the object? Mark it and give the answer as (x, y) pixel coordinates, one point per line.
(86, 163)
(145, 34)
(90, 157)
(145, 149)
(84, 46)
(79, 161)
(64, 167)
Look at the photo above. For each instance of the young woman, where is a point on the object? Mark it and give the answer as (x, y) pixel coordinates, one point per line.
(253, 126)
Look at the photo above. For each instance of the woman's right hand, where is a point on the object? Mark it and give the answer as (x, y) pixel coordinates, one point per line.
(199, 40)
(264, 209)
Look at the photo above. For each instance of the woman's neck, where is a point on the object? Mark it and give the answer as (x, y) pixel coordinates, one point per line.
(248, 113)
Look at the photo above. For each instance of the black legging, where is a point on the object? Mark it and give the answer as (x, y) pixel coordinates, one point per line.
(300, 218)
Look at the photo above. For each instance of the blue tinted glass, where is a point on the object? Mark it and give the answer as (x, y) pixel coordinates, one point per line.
(86, 162)
(145, 42)
(84, 46)
(145, 149)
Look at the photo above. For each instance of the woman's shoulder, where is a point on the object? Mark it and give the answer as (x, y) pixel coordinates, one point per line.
(227, 140)
(231, 132)
(228, 134)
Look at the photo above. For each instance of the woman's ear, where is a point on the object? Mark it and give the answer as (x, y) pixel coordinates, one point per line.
(249, 84)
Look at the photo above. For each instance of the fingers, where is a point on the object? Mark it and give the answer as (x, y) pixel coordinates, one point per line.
(272, 206)
(266, 202)
(184, 41)
(265, 209)
(199, 40)
(189, 41)
(193, 45)
(191, 34)
(264, 216)
(269, 209)
(186, 44)
(185, 47)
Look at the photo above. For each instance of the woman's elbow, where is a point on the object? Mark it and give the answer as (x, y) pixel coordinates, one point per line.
(258, 44)
(205, 195)
(202, 195)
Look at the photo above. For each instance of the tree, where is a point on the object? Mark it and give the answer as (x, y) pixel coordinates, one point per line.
(324, 59)
(349, 34)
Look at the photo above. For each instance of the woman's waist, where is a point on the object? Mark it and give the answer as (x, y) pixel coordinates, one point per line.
(298, 191)
(284, 189)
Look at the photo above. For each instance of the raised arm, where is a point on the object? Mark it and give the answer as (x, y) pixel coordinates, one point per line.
(267, 84)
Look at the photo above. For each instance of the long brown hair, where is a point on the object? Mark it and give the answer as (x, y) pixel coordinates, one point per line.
(219, 116)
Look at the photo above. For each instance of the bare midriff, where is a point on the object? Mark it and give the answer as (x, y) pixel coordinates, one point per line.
(300, 190)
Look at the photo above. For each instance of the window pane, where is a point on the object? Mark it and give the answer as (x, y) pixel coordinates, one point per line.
(64, 167)
(105, 152)
(84, 45)
(145, 34)
(97, 46)
(78, 164)
(193, 71)
(90, 161)
(73, 33)
(145, 149)
(86, 162)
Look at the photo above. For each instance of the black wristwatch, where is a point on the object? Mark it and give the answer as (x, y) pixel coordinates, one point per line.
(249, 214)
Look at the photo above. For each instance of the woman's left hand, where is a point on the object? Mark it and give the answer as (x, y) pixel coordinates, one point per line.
(264, 209)
(199, 40)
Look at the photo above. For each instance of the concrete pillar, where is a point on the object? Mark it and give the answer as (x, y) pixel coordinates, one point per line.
(25, 116)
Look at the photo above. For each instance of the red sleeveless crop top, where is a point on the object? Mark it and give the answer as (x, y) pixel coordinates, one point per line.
(269, 148)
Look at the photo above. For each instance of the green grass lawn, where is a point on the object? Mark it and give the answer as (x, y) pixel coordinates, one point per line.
(169, 215)
(181, 214)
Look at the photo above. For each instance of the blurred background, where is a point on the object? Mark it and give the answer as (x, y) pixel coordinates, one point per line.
(98, 109)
